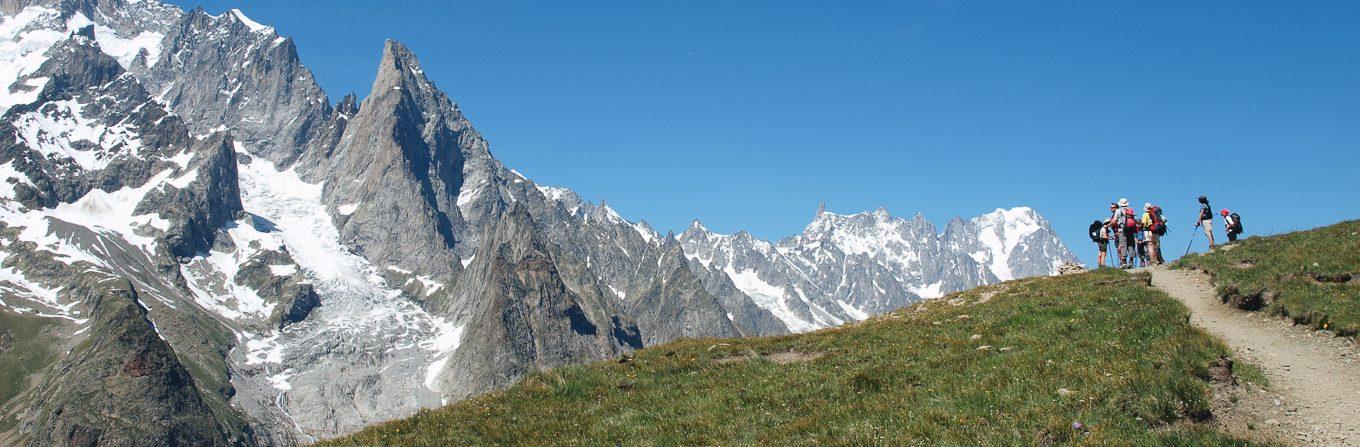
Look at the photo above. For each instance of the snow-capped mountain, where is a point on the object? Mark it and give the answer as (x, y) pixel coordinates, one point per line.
(214, 253)
(846, 267)
(177, 181)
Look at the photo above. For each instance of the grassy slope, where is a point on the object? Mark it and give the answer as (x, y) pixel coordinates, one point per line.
(22, 353)
(1287, 265)
(1135, 370)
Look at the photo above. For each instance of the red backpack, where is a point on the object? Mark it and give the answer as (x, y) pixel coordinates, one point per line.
(1158, 226)
(1129, 220)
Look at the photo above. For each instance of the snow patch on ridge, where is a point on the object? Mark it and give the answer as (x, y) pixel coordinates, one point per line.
(100, 211)
(253, 25)
(769, 297)
(24, 39)
(122, 49)
(54, 129)
(26, 36)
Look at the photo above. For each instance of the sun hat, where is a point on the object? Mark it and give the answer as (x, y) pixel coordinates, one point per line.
(1147, 205)
(1123, 202)
(1224, 212)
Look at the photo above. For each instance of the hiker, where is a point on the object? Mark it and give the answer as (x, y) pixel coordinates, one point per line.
(1100, 235)
(1161, 230)
(1153, 228)
(1128, 225)
(1206, 219)
(1142, 249)
(1232, 224)
(1112, 228)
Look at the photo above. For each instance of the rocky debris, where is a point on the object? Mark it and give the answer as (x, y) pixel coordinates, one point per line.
(1071, 268)
(781, 357)
(295, 306)
(1332, 277)
(1255, 300)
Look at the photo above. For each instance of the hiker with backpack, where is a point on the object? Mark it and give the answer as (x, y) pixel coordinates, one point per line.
(1113, 230)
(1232, 223)
(1128, 234)
(1153, 229)
(1206, 219)
(1162, 229)
(1100, 235)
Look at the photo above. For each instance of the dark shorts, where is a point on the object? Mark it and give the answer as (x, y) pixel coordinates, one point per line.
(1103, 246)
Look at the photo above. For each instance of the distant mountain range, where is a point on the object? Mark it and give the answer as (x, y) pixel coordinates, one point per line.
(844, 268)
(200, 248)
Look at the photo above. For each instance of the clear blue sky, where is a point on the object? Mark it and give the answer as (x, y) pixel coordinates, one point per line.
(745, 115)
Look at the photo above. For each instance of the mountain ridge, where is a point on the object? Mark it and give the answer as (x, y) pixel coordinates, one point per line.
(313, 268)
(844, 267)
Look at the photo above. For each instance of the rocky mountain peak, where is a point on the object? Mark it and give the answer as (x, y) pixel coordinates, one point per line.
(348, 106)
(603, 214)
(241, 19)
(399, 69)
(697, 231)
(80, 63)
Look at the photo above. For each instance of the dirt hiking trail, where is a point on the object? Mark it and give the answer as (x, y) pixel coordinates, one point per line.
(1314, 393)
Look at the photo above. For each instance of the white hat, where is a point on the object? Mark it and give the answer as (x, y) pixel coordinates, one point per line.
(1123, 202)
(1147, 205)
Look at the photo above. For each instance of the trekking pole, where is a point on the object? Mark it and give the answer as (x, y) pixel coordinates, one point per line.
(1192, 239)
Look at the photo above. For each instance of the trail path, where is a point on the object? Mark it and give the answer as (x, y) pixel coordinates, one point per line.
(1316, 376)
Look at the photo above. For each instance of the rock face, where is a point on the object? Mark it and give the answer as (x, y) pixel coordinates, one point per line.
(845, 267)
(394, 178)
(216, 255)
(227, 70)
(124, 386)
(527, 318)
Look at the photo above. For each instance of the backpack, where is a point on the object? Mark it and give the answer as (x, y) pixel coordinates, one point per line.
(1094, 232)
(1158, 223)
(1130, 222)
(1237, 223)
(1157, 226)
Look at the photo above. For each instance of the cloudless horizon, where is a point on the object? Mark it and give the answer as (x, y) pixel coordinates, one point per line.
(747, 115)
